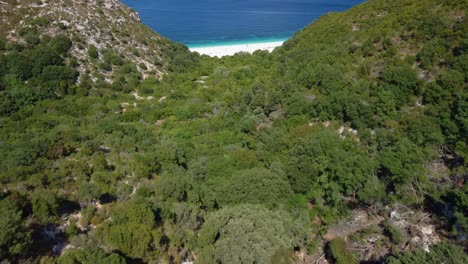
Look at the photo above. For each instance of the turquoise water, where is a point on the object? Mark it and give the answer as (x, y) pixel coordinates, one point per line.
(212, 22)
(235, 42)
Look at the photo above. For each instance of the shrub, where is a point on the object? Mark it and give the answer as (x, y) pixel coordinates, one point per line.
(392, 232)
(93, 52)
(14, 239)
(45, 206)
(440, 253)
(90, 254)
(143, 66)
(248, 234)
(339, 253)
(61, 44)
(41, 21)
(255, 186)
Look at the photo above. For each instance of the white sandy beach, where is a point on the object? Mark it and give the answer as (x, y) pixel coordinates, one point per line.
(228, 50)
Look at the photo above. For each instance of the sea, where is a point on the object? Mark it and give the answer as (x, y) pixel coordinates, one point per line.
(202, 23)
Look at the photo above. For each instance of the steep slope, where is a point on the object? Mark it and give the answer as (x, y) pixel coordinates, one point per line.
(371, 33)
(98, 29)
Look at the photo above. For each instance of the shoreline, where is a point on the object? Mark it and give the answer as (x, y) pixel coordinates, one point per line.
(229, 49)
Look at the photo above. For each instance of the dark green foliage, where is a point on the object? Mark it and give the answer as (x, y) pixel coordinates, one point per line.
(432, 53)
(439, 253)
(2, 44)
(93, 52)
(45, 206)
(16, 64)
(61, 44)
(59, 73)
(402, 165)
(111, 57)
(452, 205)
(142, 66)
(392, 232)
(90, 254)
(451, 81)
(131, 239)
(339, 253)
(174, 187)
(42, 66)
(324, 159)
(44, 56)
(373, 190)
(401, 81)
(131, 229)
(14, 238)
(41, 21)
(247, 234)
(432, 26)
(254, 186)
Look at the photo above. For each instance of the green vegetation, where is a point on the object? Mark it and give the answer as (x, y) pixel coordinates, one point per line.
(89, 254)
(244, 159)
(248, 234)
(14, 238)
(440, 253)
(340, 254)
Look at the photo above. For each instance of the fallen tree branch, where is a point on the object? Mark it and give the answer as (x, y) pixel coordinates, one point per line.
(318, 260)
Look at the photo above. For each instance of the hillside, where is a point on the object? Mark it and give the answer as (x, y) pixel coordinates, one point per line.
(105, 34)
(346, 145)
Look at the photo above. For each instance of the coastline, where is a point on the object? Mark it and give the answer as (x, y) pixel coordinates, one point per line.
(229, 49)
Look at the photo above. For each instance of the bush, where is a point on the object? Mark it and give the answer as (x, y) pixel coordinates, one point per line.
(339, 253)
(392, 232)
(93, 52)
(440, 253)
(45, 206)
(14, 239)
(254, 186)
(41, 21)
(61, 44)
(248, 234)
(89, 254)
(402, 81)
(433, 53)
(142, 66)
(45, 56)
(131, 229)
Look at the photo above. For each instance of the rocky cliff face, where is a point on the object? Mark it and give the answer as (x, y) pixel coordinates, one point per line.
(106, 26)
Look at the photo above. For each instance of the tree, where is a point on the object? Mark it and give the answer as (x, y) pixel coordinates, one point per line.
(401, 80)
(17, 64)
(132, 239)
(44, 56)
(324, 158)
(256, 186)
(61, 44)
(131, 229)
(248, 234)
(433, 52)
(173, 187)
(14, 238)
(403, 163)
(45, 206)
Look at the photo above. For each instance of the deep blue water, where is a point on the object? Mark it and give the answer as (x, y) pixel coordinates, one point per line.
(208, 22)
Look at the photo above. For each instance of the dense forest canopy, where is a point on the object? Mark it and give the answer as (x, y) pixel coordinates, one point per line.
(348, 143)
